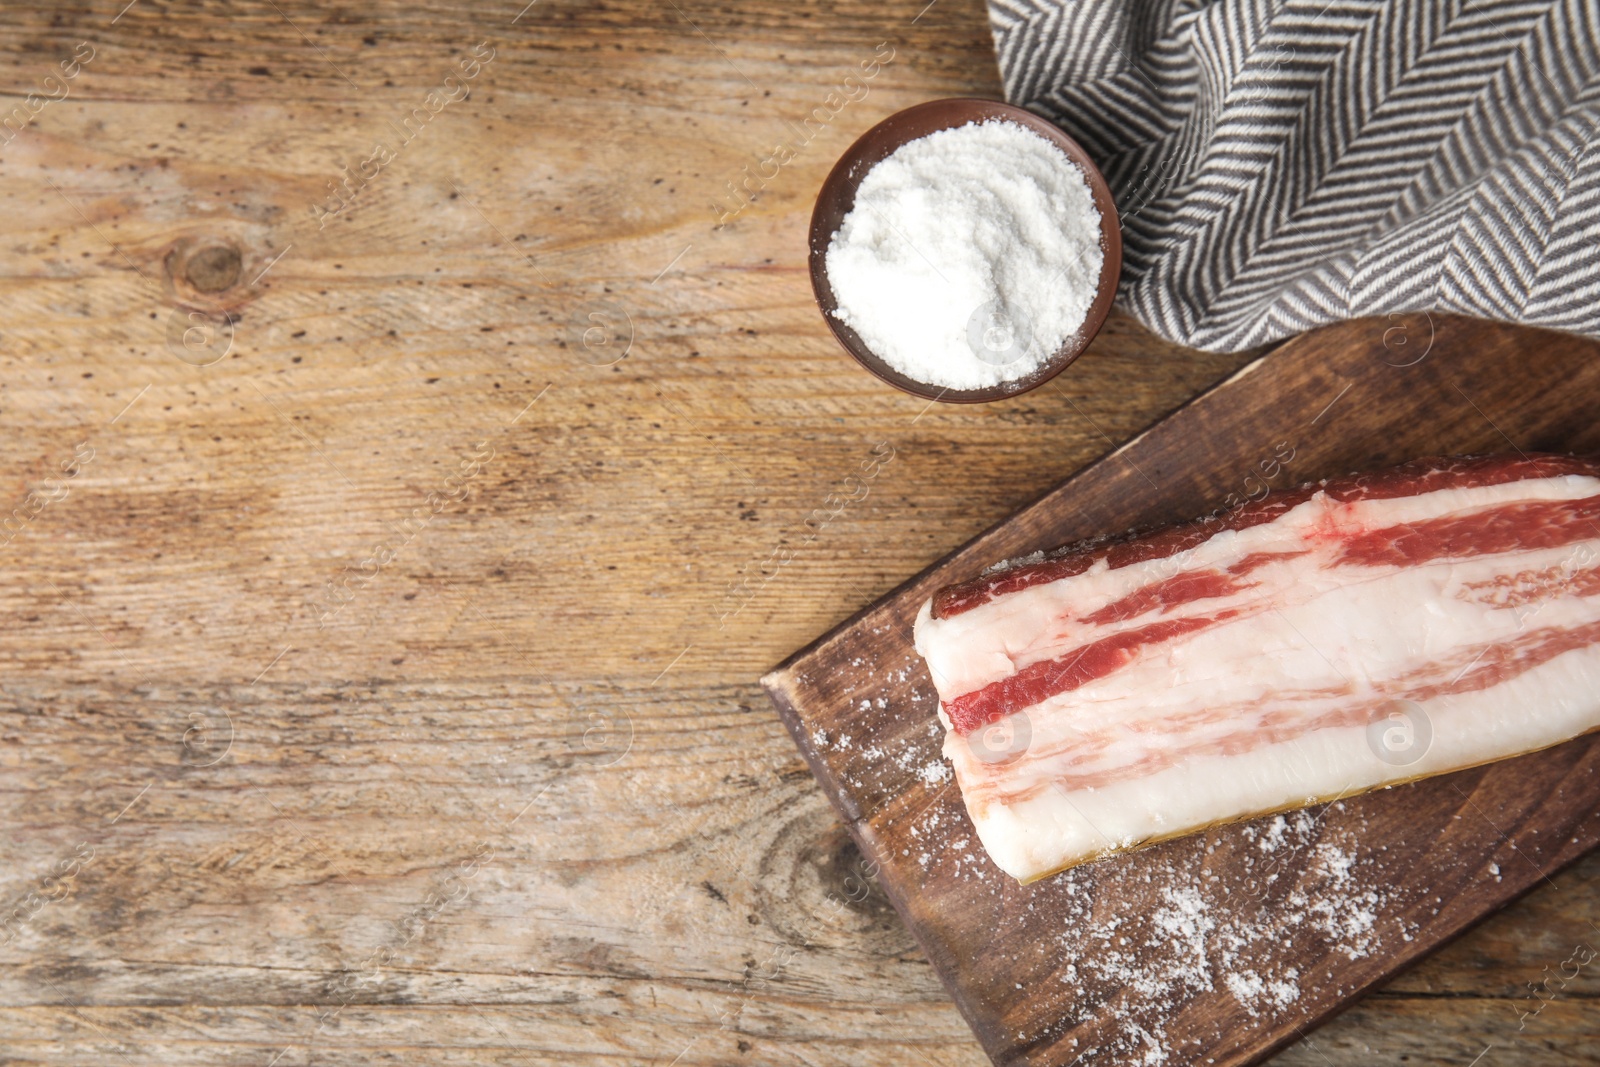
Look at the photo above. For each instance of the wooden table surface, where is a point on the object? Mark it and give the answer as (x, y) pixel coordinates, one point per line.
(392, 551)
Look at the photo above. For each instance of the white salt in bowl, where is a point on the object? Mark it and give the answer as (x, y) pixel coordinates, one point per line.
(838, 195)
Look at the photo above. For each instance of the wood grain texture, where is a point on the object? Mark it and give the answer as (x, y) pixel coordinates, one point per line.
(275, 803)
(1221, 947)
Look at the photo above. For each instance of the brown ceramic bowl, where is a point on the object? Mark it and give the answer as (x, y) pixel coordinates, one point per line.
(838, 196)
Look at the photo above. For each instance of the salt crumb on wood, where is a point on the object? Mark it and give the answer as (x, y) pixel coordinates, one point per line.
(1203, 936)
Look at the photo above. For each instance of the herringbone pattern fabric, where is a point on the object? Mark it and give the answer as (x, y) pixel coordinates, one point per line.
(1282, 164)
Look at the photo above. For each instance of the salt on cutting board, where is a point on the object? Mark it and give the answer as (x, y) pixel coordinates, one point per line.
(1217, 948)
(970, 257)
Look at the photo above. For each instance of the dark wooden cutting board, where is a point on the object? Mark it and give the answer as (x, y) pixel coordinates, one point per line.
(1223, 946)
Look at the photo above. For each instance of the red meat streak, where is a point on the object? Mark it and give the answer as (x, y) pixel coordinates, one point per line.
(1167, 595)
(1040, 681)
(1524, 527)
(1408, 479)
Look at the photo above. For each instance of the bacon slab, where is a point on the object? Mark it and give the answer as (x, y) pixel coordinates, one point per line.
(1321, 642)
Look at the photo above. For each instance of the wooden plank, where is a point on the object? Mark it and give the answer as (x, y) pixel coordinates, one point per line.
(1216, 948)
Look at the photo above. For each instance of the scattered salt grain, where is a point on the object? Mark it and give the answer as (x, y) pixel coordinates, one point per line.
(1197, 937)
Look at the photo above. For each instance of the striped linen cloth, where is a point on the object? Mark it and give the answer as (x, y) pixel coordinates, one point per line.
(1282, 164)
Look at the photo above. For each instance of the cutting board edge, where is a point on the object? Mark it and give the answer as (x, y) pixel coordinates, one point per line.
(789, 715)
(789, 663)
(859, 831)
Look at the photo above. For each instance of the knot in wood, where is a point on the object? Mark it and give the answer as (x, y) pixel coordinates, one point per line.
(212, 267)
